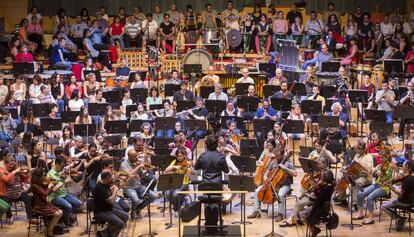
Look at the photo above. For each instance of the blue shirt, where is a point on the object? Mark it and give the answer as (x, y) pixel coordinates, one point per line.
(55, 57)
(122, 71)
(260, 111)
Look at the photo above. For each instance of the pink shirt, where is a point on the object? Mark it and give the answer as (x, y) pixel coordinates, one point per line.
(410, 66)
(24, 58)
(31, 28)
(280, 26)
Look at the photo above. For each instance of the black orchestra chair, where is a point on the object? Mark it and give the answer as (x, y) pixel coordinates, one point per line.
(404, 211)
(380, 200)
(93, 221)
(39, 220)
(210, 199)
(327, 217)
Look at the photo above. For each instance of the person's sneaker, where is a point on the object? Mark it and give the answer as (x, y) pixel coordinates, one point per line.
(255, 214)
(279, 218)
(400, 223)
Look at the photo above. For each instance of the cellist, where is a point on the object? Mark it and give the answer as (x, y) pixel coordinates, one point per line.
(289, 169)
(365, 176)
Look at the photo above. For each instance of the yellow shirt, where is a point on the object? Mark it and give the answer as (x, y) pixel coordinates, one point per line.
(181, 171)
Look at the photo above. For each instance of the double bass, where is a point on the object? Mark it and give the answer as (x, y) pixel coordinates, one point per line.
(275, 179)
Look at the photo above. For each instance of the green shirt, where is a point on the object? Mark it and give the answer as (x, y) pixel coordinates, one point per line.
(385, 179)
(61, 192)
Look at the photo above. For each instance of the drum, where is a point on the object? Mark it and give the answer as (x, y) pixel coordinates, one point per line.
(234, 38)
(308, 54)
(198, 56)
(209, 35)
(191, 37)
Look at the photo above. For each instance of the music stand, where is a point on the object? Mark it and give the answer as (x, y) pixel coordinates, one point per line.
(358, 96)
(308, 165)
(375, 115)
(393, 65)
(170, 89)
(129, 109)
(242, 88)
(251, 142)
(299, 90)
(85, 130)
(205, 91)
(248, 103)
(40, 110)
(97, 109)
(382, 128)
(193, 68)
(139, 94)
(170, 182)
(294, 127)
(245, 164)
(281, 104)
(328, 121)
(146, 197)
(135, 124)
(215, 106)
(242, 183)
(263, 125)
(164, 123)
(156, 106)
(329, 103)
(118, 126)
(69, 116)
(162, 143)
(162, 161)
(252, 152)
(238, 120)
(113, 97)
(97, 74)
(49, 124)
(185, 105)
(403, 112)
(131, 76)
(311, 106)
(23, 68)
(304, 151)
(269, 90)
(195, 124)
(331, 66)
(267, 68)
(328, 91)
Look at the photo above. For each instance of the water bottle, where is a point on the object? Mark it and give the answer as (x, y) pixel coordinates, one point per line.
(41, 68)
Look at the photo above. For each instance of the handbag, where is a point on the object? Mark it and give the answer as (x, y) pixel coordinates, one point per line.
(190, 211)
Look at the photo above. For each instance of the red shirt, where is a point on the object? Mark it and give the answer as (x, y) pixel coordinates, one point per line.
(24, 58)
(410, 66)
(116, 30)
(371, 148)
(370, 88)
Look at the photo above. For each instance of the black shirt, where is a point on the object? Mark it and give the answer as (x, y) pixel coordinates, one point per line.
(201, 112)
(407, 190)
(167, 29)
(178, 96)
(212, 163)
(291, 17)
(101, 193)
(365, 28)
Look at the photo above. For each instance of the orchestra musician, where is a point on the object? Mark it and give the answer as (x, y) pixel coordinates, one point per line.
(93, 165)
(245, 77)
(212, 163)
(265, 112)
(231, 110)
(166, 112)
(199, 112)
(278, 79)
(218, 93)
(179, 166)
(322, 155)
(385, 101)
(133, 188)
(405, 195)
(41, 188)
(375, 146)
(309, 79)
(284, 93)
(277, 157)
(297, 115)
(380, 188)
(229, 148)
(367, 85)
(343, 120)
(208, 80)
(180, 142)
(183, 94)
(105, 195)
(59, 195)
(364, 178)
(232, 132)
(406, 99)
(140, 113)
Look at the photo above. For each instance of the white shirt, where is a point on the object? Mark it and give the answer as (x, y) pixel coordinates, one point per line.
(245, 80)
(75, 105)
(386, 29)
(153, 27)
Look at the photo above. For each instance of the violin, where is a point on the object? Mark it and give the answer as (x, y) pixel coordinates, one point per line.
(46, 181)
(184, 166)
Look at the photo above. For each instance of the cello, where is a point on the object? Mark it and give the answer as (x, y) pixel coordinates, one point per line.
(261, 170)
(275, 179)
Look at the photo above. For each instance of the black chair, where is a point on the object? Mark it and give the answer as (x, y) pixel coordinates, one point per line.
(39, 220)
(380, 200)
(325, 218)
(210, 199)
(404, 211)
(93, 221)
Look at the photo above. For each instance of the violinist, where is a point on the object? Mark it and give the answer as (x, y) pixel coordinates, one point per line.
(284, 93)
(179, 143)
(279, 136)
(79, 149)
(147, 134)
(322, 155)
(92, 165)
(232, 133)
(375, 146)
(133, 188)
(179, 166)
(59, 195)
(274, 163)
(12, 179)
(365, 176)
(228, 148)
(405, 195)
(380, 188)
(308, 208)
(41, 188)
(105, 194)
